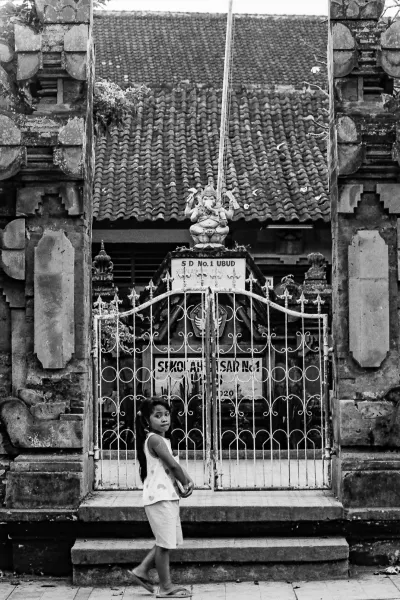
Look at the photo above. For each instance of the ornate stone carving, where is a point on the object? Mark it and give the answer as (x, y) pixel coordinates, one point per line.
(54, 300)
(209, 217)
(369, 299)
(390, 56)
(102, 276)
(356, 9)
(63, 11)
(351, 151)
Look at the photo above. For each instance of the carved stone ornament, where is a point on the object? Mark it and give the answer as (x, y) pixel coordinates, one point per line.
(63, 11)
(356, 9)
(13, 249)
(344, 50)
(350, 151)
(390, 56)
(11, 153)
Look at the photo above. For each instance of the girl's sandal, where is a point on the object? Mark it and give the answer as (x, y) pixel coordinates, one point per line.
(145, 583)
(178, 592)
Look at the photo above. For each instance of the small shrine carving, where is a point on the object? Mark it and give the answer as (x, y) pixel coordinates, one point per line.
(209, 217)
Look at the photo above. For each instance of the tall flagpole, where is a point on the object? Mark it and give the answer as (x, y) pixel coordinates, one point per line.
(225, 90)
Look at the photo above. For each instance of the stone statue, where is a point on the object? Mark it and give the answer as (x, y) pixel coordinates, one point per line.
(209, 217)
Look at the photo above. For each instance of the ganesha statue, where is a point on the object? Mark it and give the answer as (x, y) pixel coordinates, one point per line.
(209, 217)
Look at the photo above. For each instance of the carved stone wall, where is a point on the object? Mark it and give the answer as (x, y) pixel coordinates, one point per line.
(45, 221)
(364, 169)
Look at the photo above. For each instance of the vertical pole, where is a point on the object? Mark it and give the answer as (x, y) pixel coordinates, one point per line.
(208, 390)
(224, 108)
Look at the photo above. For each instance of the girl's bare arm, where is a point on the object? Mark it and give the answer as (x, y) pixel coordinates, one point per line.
(158, 446)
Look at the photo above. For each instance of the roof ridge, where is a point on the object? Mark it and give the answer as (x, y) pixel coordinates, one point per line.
(149, 13)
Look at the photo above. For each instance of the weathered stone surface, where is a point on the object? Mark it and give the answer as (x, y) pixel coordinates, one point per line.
(390, 196)
(18, 348)
(370, 488)
(390, 57)
(54, 300)
(349, 197)
(350, 157)
(4, 81)
(29, 201)
(27, 432)
(10, 135)
(28, 64)
(26, 40)
(356, 9)
(43, 490)
(13, 263)
(13, 237)
(30, 397)
(76, 65)
(72, 133)
(374, 424)
(382, 552)
(347, 131)
(6, 52)
(13, 292)
(76, 39)
(10, 161)
(72, 199)
(70, 160)
(64, 11)
(48, 411)
(368, 299)
(344, 50)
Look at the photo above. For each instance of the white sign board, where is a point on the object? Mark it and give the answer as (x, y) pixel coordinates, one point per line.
(217, 273)
(238, 377)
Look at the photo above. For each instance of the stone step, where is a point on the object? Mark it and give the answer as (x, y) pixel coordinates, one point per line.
(200, 560)
(206, 506)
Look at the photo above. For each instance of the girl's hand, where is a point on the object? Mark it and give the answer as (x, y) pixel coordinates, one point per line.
(188, 490)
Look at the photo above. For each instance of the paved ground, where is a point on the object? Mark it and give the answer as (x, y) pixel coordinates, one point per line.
(363, 585)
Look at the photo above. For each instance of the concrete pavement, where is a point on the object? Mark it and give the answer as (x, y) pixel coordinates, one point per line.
(363, 585)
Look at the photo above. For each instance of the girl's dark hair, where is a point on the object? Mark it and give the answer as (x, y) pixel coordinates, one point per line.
(142, 428)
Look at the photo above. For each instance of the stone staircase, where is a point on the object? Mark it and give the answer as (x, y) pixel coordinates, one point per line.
(228, 536)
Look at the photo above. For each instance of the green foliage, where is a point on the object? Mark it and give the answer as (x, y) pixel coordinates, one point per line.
(112, 105)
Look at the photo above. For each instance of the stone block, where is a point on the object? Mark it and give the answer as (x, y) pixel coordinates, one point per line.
(390, 44)
(72, 134)
(390, 196)
(71, 199)
(10, 135)
(13, 263)
(11, 159)
(76, 65)
(361, 489)
(29, 201)
(375, 423)
(6, 52)
(28, 64)
(350, 157)
(369, 298)
(76, 39)
(44, 490)
(30, 397)
(70, 161)
(26, 39)
(344, 50)
(18, 348)
(13, 237)
(48, 411)
(27, 432)
(349, 197)
(54, 322)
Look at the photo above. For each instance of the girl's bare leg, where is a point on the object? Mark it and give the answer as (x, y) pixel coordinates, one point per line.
(147, 563)
(162, 566)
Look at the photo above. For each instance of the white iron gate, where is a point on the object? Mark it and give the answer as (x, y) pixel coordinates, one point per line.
(246, 378)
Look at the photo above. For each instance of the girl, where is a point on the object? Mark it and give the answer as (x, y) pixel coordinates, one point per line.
(160, 473)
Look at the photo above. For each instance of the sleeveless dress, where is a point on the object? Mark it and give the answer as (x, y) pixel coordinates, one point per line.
(161, 500)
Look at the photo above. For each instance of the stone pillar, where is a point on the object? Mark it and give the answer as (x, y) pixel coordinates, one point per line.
(46, 153)
(364, 57)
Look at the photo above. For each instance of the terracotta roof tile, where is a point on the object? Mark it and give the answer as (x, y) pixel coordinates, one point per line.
(273, 162)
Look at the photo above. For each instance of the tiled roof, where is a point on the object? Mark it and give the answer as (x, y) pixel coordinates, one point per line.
(168, 48)
(275, 166)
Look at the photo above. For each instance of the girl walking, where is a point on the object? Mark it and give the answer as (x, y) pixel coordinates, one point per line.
(164, 481)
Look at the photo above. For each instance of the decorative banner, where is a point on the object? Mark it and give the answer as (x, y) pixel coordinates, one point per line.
(239, 377)
(216, 273)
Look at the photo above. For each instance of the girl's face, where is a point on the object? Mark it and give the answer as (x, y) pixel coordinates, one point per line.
(160, 419)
